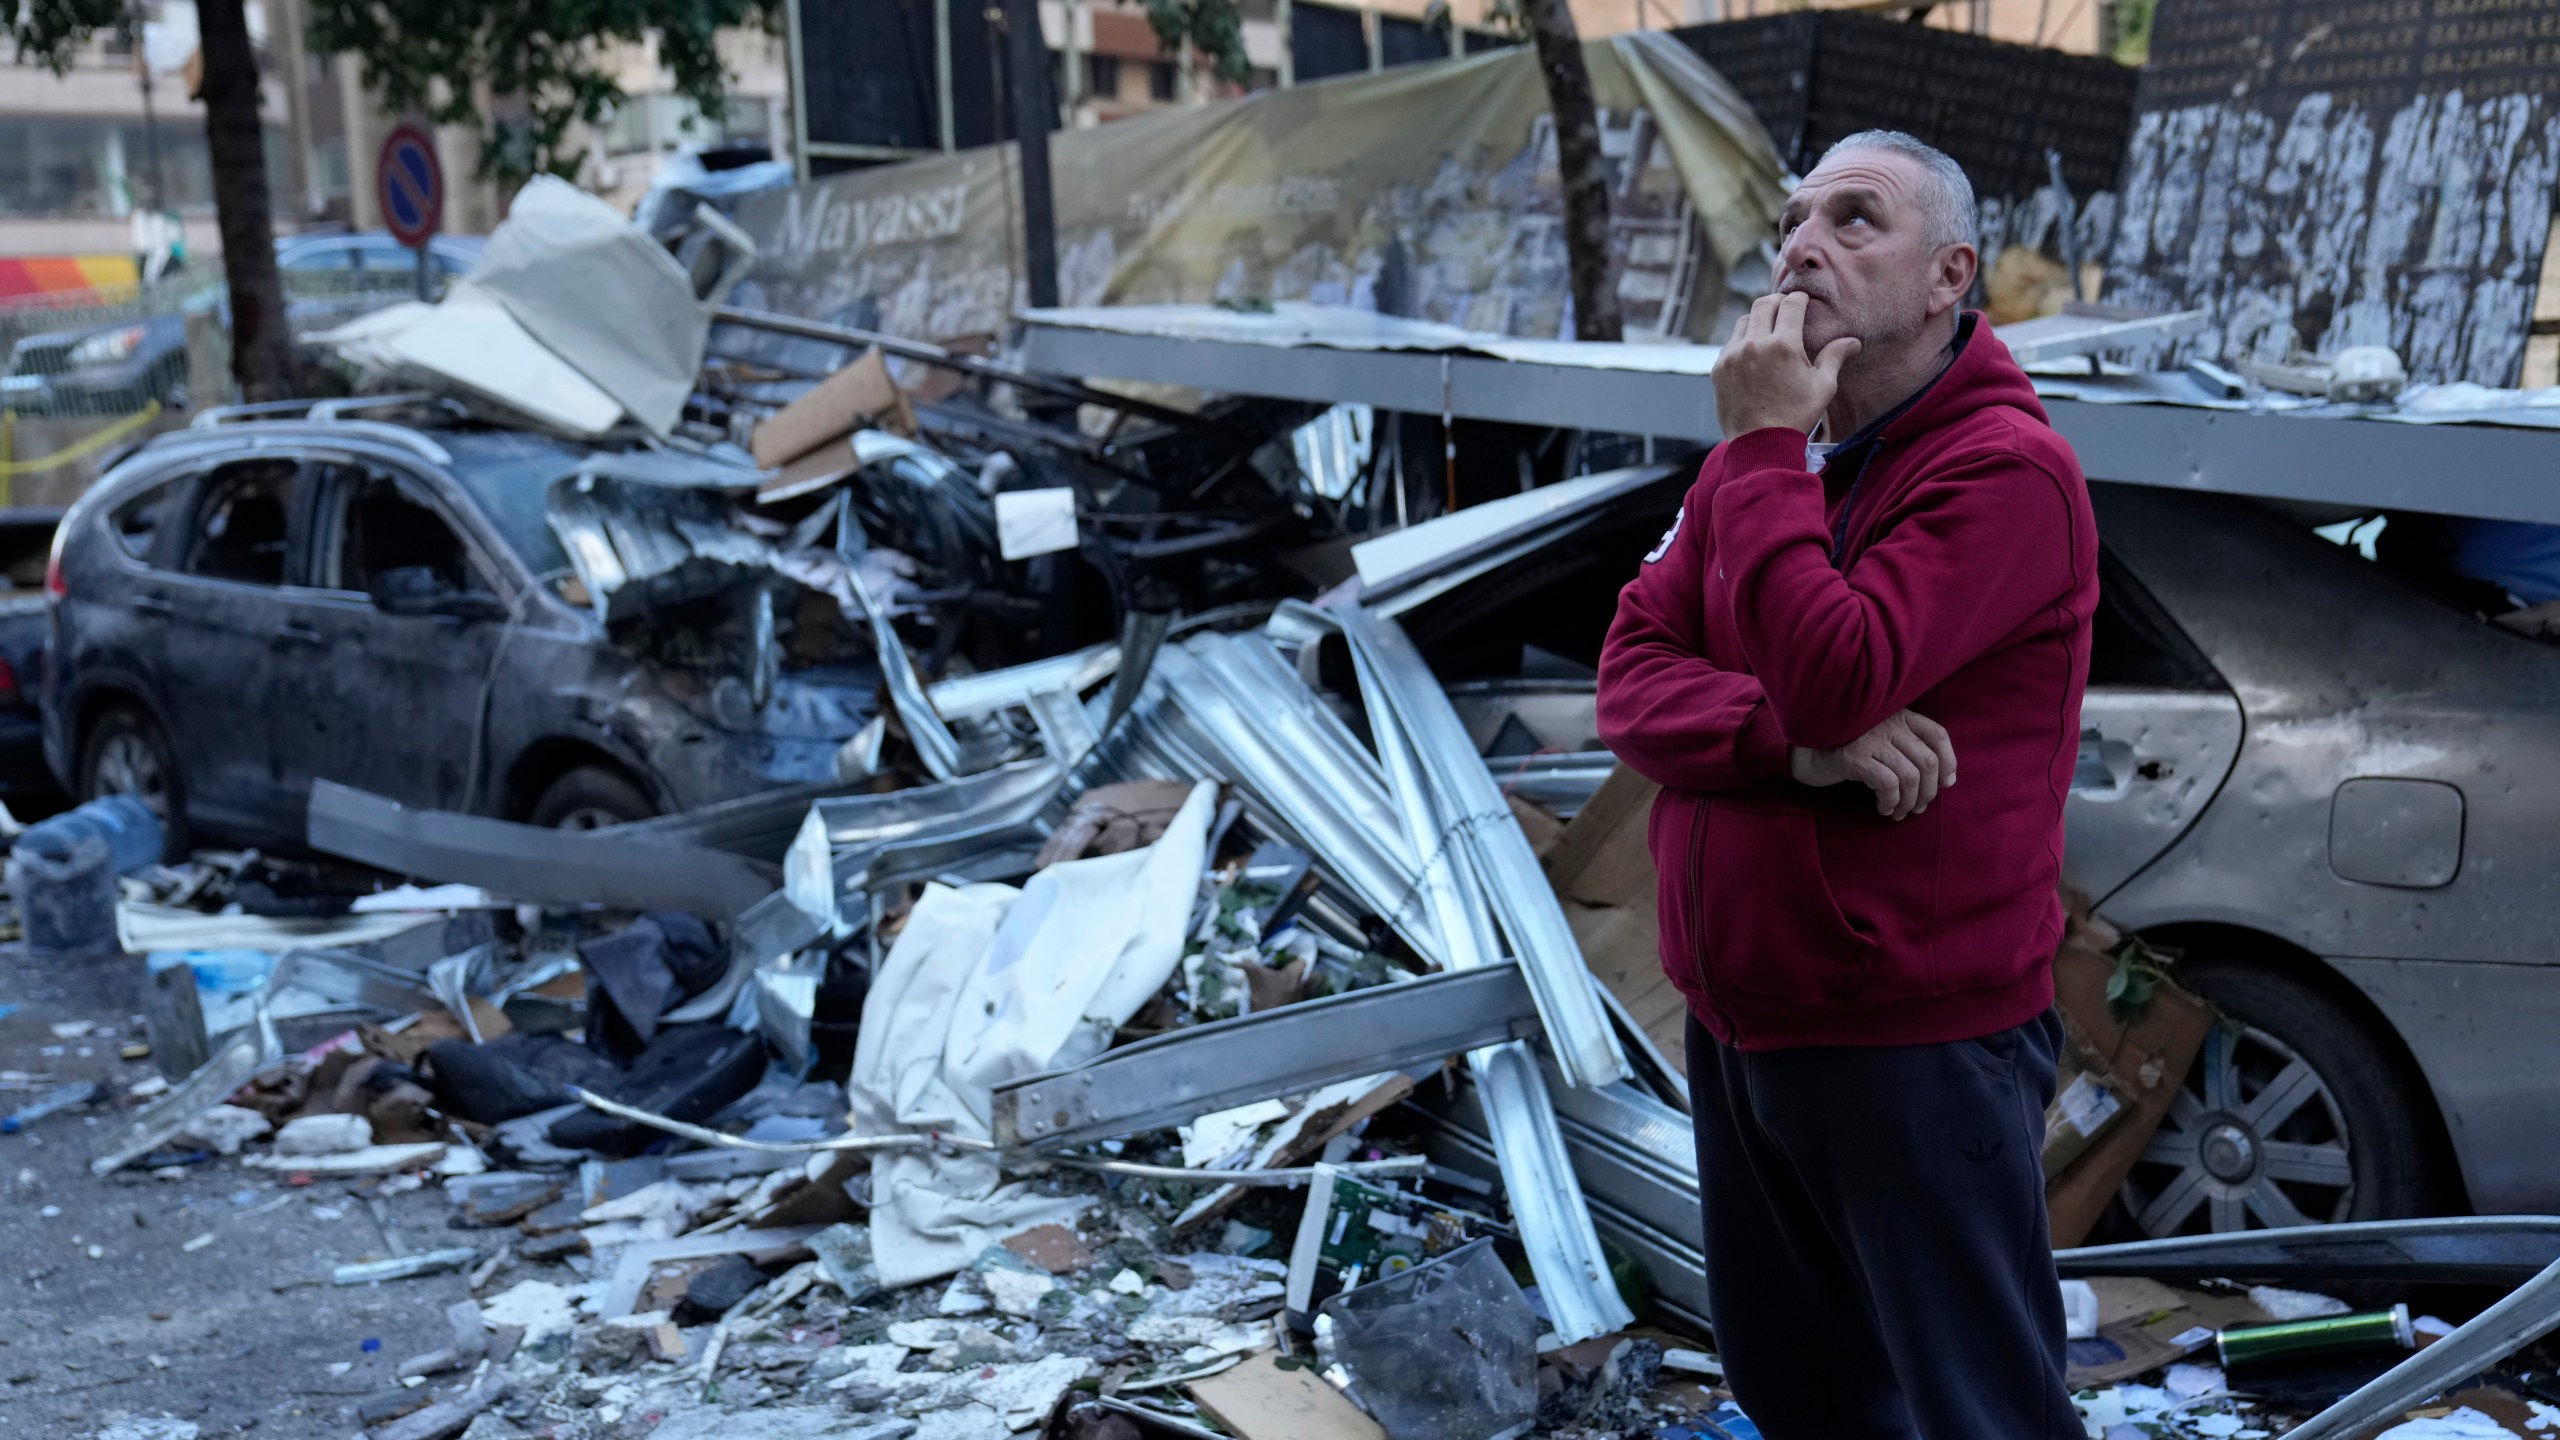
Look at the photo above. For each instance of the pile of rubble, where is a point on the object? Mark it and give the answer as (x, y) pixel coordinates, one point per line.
(1212, 1072)
(1206, 1027)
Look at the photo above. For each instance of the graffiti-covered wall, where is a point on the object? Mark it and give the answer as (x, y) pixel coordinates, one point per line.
(2326, 173)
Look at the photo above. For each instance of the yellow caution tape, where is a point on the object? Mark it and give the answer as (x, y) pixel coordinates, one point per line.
(87, 445)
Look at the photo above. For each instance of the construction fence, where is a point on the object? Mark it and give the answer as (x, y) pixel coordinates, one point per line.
(87, 375)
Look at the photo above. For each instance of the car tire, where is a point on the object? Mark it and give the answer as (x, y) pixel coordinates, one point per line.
(127, 753)
(591, 797)
(2355, 1098)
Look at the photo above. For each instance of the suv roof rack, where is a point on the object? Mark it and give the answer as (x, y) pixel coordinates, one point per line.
(320, 411)
(336, 412)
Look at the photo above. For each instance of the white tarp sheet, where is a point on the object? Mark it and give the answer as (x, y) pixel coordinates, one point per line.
(988, 984)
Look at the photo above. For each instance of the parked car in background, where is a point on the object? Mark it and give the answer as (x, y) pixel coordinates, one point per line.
(249, 605)
(119, 366)
(27, 785)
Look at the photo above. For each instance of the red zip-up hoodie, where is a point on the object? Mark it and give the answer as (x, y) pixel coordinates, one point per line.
(1963, 587)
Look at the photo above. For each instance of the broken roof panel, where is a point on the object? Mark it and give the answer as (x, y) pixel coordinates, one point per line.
(573, 320)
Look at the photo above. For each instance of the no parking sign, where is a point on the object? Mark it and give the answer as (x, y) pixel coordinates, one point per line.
(408, 182)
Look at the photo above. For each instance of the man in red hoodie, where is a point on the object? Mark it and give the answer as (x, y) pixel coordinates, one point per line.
(1884, 574)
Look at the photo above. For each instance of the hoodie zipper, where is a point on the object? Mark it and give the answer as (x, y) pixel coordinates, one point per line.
(1696, 926)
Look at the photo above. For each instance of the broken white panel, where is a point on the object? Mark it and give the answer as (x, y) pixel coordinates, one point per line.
(1035, 522)
(445, 898)
(2088, 329)
(1333, 449)
(987, 984)
(471, 347)
(142, 928)
(600, 294)
(1418, 547)
(1324, 1105)
(1214, 1139)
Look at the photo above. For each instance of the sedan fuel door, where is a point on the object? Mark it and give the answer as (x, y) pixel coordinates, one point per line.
(2159, 733)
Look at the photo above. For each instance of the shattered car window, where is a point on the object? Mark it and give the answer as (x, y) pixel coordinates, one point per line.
(383, 528)
(509, 477)
(137, 520)
(243, 522)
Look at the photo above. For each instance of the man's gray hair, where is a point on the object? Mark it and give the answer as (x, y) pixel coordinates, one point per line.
(1946, 196)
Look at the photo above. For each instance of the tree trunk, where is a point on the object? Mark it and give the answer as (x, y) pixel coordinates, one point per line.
(261, 352)
(1579, 169)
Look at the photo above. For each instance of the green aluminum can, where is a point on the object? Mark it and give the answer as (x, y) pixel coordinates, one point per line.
(2268, 1347)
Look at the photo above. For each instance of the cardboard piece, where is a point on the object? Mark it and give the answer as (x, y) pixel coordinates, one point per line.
(1257, 1400)
(1053, 1248)
(861, 392)
(810, 473)
(2152, 1052)
(2089, 1098)
(2143, 1325)
(1603, 875)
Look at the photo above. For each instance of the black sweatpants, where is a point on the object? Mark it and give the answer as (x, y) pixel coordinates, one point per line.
(1877, 1256)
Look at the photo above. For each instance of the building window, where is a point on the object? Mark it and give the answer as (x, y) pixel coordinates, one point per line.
(746, 117)
(329, 166)
(63, 166)
(1102, 76)
(1160, 81)
(626, 130)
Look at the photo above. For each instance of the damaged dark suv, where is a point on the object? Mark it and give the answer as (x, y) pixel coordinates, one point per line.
(247, 606)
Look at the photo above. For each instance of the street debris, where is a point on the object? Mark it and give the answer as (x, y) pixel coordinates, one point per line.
(1142, 996)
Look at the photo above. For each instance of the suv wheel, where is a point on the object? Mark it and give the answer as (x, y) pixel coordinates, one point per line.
(125, 753)
(2289, 1117)
(590, 797)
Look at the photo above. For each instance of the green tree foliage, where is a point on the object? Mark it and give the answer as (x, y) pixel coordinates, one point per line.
(448, 58)
(49, 32)
(1215, 28)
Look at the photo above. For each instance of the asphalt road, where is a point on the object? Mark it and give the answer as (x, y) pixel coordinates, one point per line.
(106, 1315)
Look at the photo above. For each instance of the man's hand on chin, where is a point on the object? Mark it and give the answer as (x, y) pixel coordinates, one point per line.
(1763, 378)
(1906, 760)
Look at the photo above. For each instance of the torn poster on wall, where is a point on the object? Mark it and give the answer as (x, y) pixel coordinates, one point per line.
(2327, 173)
(1428, 190)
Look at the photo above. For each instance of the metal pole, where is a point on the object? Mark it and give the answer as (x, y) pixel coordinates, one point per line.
(1074, 65)
(971, 365)
(799, 77)
(942, 72)
(426, 277)
(1288, 55)
(150, 117)
(1375, 33)
(1035, 114)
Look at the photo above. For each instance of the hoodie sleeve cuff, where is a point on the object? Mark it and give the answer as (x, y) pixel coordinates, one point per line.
(1760, 750)
(1771, 447)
